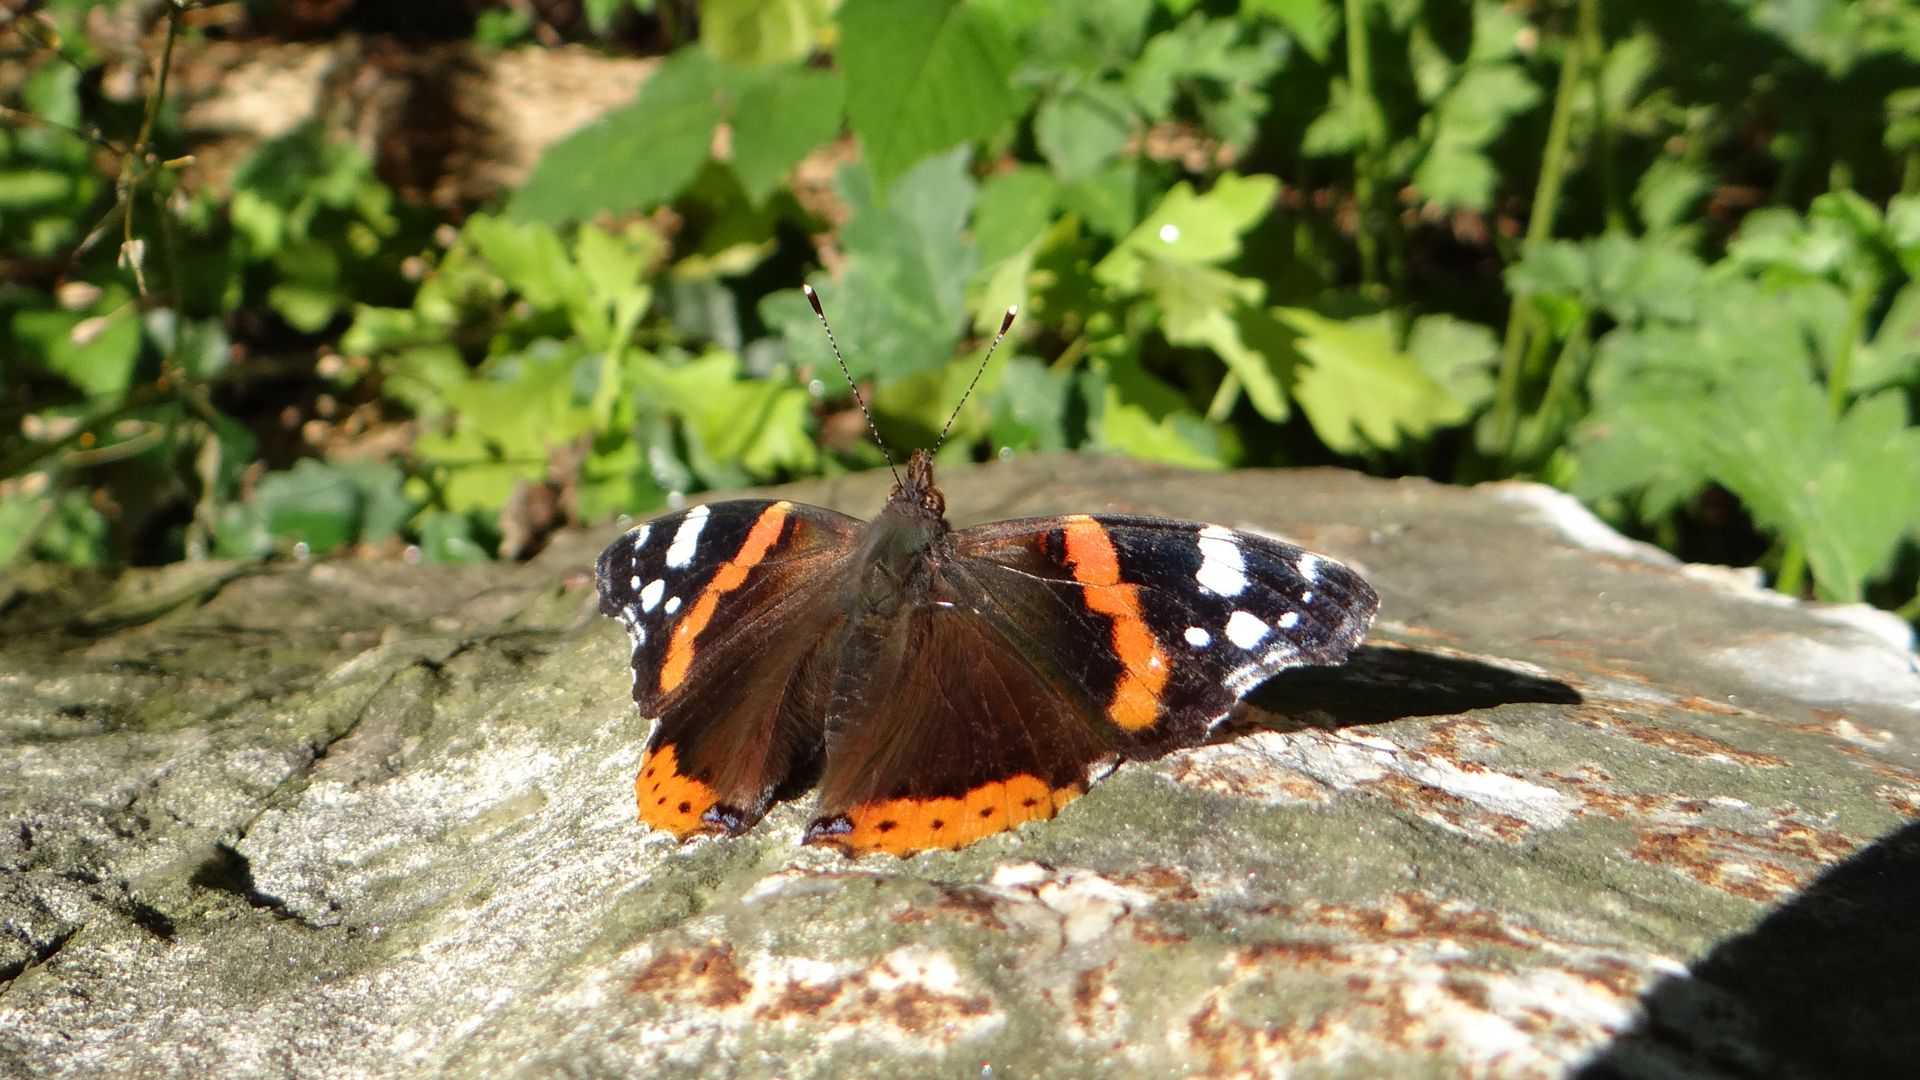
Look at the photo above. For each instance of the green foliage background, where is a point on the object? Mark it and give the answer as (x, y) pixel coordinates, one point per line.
(1660, 255)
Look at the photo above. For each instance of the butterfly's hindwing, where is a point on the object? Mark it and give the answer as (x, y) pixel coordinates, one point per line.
(964, 740)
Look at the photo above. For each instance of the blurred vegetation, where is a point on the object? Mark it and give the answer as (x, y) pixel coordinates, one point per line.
(1660, 255)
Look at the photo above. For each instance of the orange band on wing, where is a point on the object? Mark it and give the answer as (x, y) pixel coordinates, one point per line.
(1095, 564)
(670, 800)
(904, 826)
(760, 540)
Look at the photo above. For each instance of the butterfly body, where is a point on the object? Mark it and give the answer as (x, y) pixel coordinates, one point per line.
(944, 685)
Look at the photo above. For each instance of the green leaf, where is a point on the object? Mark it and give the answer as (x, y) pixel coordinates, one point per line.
(1455, 170)
(1892, 358)
(448, 538)
(328, 505)
(901, 304)
(95, 352)
(1207, 62)
(757, 32)
(1359, 389)
(1733, 400)
(760, 426)
(1189, 228)
(1142, 417)
(1015, 207)
(19, 516)
(923, 76)
(310, 502)
(1027, 409)
(1313, 23)
(1631, 280)
(632, 158)
(778, 119)
(1458, 355)
(1202, 306)
(1083, 128)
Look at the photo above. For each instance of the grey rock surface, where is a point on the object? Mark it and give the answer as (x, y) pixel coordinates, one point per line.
(1576, 808)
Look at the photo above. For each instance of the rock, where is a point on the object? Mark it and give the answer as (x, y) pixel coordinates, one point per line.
(1575, 806)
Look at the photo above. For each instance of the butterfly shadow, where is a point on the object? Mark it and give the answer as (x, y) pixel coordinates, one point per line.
(1382, 683)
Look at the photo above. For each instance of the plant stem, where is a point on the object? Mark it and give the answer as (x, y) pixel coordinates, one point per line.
(1546, 199)
(1793, 569)
(1372, 130)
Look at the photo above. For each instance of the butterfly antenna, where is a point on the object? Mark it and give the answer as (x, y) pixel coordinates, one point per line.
(1005, 323)
(814, 299)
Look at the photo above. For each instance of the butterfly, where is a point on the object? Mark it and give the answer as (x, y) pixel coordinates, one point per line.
(943, 685)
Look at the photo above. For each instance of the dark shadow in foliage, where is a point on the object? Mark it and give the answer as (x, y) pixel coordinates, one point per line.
(1823, 986)
(1380, 684)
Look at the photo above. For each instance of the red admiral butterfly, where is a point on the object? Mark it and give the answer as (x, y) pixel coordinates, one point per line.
(945, 685)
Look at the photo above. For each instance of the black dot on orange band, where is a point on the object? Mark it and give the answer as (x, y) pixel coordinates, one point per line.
(1029, 801)
(938, 824)
(887, 826)
(987, 811)
(685, 806)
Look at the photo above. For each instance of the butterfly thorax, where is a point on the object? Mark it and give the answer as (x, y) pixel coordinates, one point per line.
(897, 563)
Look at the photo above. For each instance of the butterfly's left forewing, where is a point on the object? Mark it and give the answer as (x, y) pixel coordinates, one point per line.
(1161, 625)
(727, 606)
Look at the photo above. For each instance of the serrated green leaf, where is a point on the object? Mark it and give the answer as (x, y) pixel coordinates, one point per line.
(1209, 308)
(923, 76)
(1142, 417)
(1458, 355)
(1015, 207)
(1668, 192)
(1631, 280)
(901, 305)
(1190, 228)
(1027, 410)
(752, 33)
(1892, 358)
(310, 503)
(1733, 400)
(753, 427)
(1359, 389)
(529, 259)
(1313, 23)
(1112, 200)
(1081, 129)
(778, 119)
(1474, 111)
(632, 158)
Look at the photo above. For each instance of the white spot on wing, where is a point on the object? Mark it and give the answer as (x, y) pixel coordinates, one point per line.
(1290, 620)
(650, 596)
(1246, 630)
(1307, 597)
(1223, 570)
(1309, 565)
(1198, 637)
(673, 604)
(635, 583)
(686, 539)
